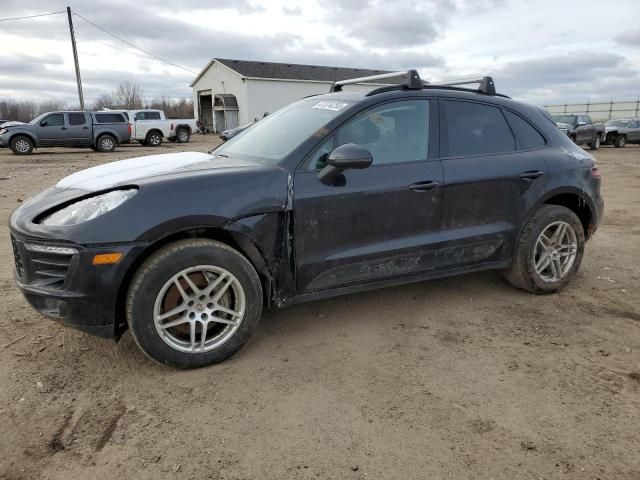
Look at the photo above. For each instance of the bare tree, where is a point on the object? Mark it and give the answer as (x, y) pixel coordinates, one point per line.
(182, 108)
(129, 96)
(105, 100)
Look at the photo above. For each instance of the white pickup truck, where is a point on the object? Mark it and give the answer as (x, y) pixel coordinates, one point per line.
(150, 126)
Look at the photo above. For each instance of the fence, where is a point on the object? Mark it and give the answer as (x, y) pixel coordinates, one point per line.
(600, 111)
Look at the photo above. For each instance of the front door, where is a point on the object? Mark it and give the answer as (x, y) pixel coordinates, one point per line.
(376, 223)
(52, 130)
(491, 174)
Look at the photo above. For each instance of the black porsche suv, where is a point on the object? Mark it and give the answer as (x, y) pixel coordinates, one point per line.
(333, 194)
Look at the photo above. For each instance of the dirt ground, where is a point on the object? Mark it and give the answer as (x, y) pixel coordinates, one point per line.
(463, 378)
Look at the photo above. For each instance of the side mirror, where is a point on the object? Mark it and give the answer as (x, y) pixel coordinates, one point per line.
(345, 157)
(43, 123)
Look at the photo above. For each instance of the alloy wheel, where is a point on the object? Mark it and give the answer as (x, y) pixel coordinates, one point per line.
(199, 309)
(22, 146)
(555, 251)
(106, 143)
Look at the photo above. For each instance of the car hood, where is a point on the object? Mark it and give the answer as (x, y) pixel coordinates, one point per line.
(133, 170)
(11, 124)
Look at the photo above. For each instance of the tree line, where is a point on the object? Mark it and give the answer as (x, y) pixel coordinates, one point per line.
(127, 96)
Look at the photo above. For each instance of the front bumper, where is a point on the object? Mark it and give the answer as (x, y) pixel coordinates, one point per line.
(68, 288)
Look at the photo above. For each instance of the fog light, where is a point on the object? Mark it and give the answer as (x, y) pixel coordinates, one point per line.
(106, 258)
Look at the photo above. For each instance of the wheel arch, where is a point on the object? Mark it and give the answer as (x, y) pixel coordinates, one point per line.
(29, 135)
(154, 130)
(577, 202)
(237, 241)
(113, 135)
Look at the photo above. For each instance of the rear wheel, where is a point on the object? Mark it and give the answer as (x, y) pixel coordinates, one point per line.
(595, 144)
(194, 303)
(21, 145)
(154, 139)
(106, 143)
(183, 135)
(549, 251)
(620, 142)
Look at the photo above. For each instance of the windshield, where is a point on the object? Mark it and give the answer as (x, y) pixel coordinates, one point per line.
(569, 119)
(617, 123)
(277, 135)
(37, 119)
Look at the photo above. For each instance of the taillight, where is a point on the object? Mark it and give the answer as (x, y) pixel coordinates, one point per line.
(595, 172)
(129, 128)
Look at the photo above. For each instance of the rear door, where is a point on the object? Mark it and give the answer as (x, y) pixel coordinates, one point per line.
(79, 130)
(52, 130)
(490, 179)
(377, 223)
(584, 132)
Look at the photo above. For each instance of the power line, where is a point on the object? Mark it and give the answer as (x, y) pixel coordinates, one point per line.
(31, 16)
(135, 46)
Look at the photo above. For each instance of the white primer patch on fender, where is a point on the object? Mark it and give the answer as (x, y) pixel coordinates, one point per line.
(123, 171)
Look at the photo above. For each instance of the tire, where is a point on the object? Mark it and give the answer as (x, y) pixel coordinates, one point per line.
(154, 139)
(183, 135)
(620, 141)
(523, 274)
(21, 145)
(595, 144)
(154, 292)
(573, 139)
(94, 148)
(106, 143)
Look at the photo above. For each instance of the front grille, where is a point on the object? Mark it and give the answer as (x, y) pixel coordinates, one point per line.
(17, 258)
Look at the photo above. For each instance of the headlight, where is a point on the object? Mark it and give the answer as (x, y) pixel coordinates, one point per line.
(3, 130)
(88, 209)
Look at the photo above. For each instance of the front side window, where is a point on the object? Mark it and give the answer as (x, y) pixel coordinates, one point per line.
(394, 132)
(77, 119)
(55, 120)
(474, 129)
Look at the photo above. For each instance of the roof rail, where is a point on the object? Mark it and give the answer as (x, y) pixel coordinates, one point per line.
(485, 86)
(412, 82)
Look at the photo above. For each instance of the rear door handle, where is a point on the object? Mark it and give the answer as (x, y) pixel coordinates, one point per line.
(423, 186)
(531, 174)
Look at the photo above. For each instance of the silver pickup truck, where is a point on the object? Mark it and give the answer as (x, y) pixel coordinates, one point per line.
(100, 131)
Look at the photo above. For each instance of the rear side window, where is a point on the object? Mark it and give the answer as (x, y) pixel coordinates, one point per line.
(109, 118)
(474, 129)
(77, 119)
(526, 136)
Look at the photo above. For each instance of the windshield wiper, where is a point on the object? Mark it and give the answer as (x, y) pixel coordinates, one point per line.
(222, 155)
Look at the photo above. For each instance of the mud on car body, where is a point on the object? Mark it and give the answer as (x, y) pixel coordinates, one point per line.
(334, 194)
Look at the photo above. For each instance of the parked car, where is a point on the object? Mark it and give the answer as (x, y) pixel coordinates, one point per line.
(622, 131)
(333, 194)
(101, 131)
(581, 129)
(150, 127)
(232, 132)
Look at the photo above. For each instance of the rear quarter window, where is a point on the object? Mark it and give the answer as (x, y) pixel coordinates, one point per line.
(527, 136)
(109, 118)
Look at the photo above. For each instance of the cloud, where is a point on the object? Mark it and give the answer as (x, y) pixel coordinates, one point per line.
(631, 37)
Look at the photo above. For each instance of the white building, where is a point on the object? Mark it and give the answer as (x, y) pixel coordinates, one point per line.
(227, 93)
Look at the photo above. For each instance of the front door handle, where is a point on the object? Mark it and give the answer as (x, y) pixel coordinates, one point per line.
(531, 174)
(423, 186)
(63, 128)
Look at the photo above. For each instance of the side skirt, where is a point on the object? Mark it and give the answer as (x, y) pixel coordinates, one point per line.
(392, 282)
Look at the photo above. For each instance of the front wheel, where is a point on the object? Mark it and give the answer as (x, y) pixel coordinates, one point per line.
(21, 145)
(595, 144)
(154, 139)
(549, 251)
(194, 303)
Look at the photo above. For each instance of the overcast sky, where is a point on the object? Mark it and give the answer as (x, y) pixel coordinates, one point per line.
(542, 51)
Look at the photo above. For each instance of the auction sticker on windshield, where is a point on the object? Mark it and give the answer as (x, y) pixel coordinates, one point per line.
(326, 105)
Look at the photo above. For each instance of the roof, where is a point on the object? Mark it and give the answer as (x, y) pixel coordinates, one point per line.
(294, 71)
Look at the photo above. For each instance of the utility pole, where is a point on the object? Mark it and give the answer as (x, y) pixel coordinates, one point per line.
(75, 59)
